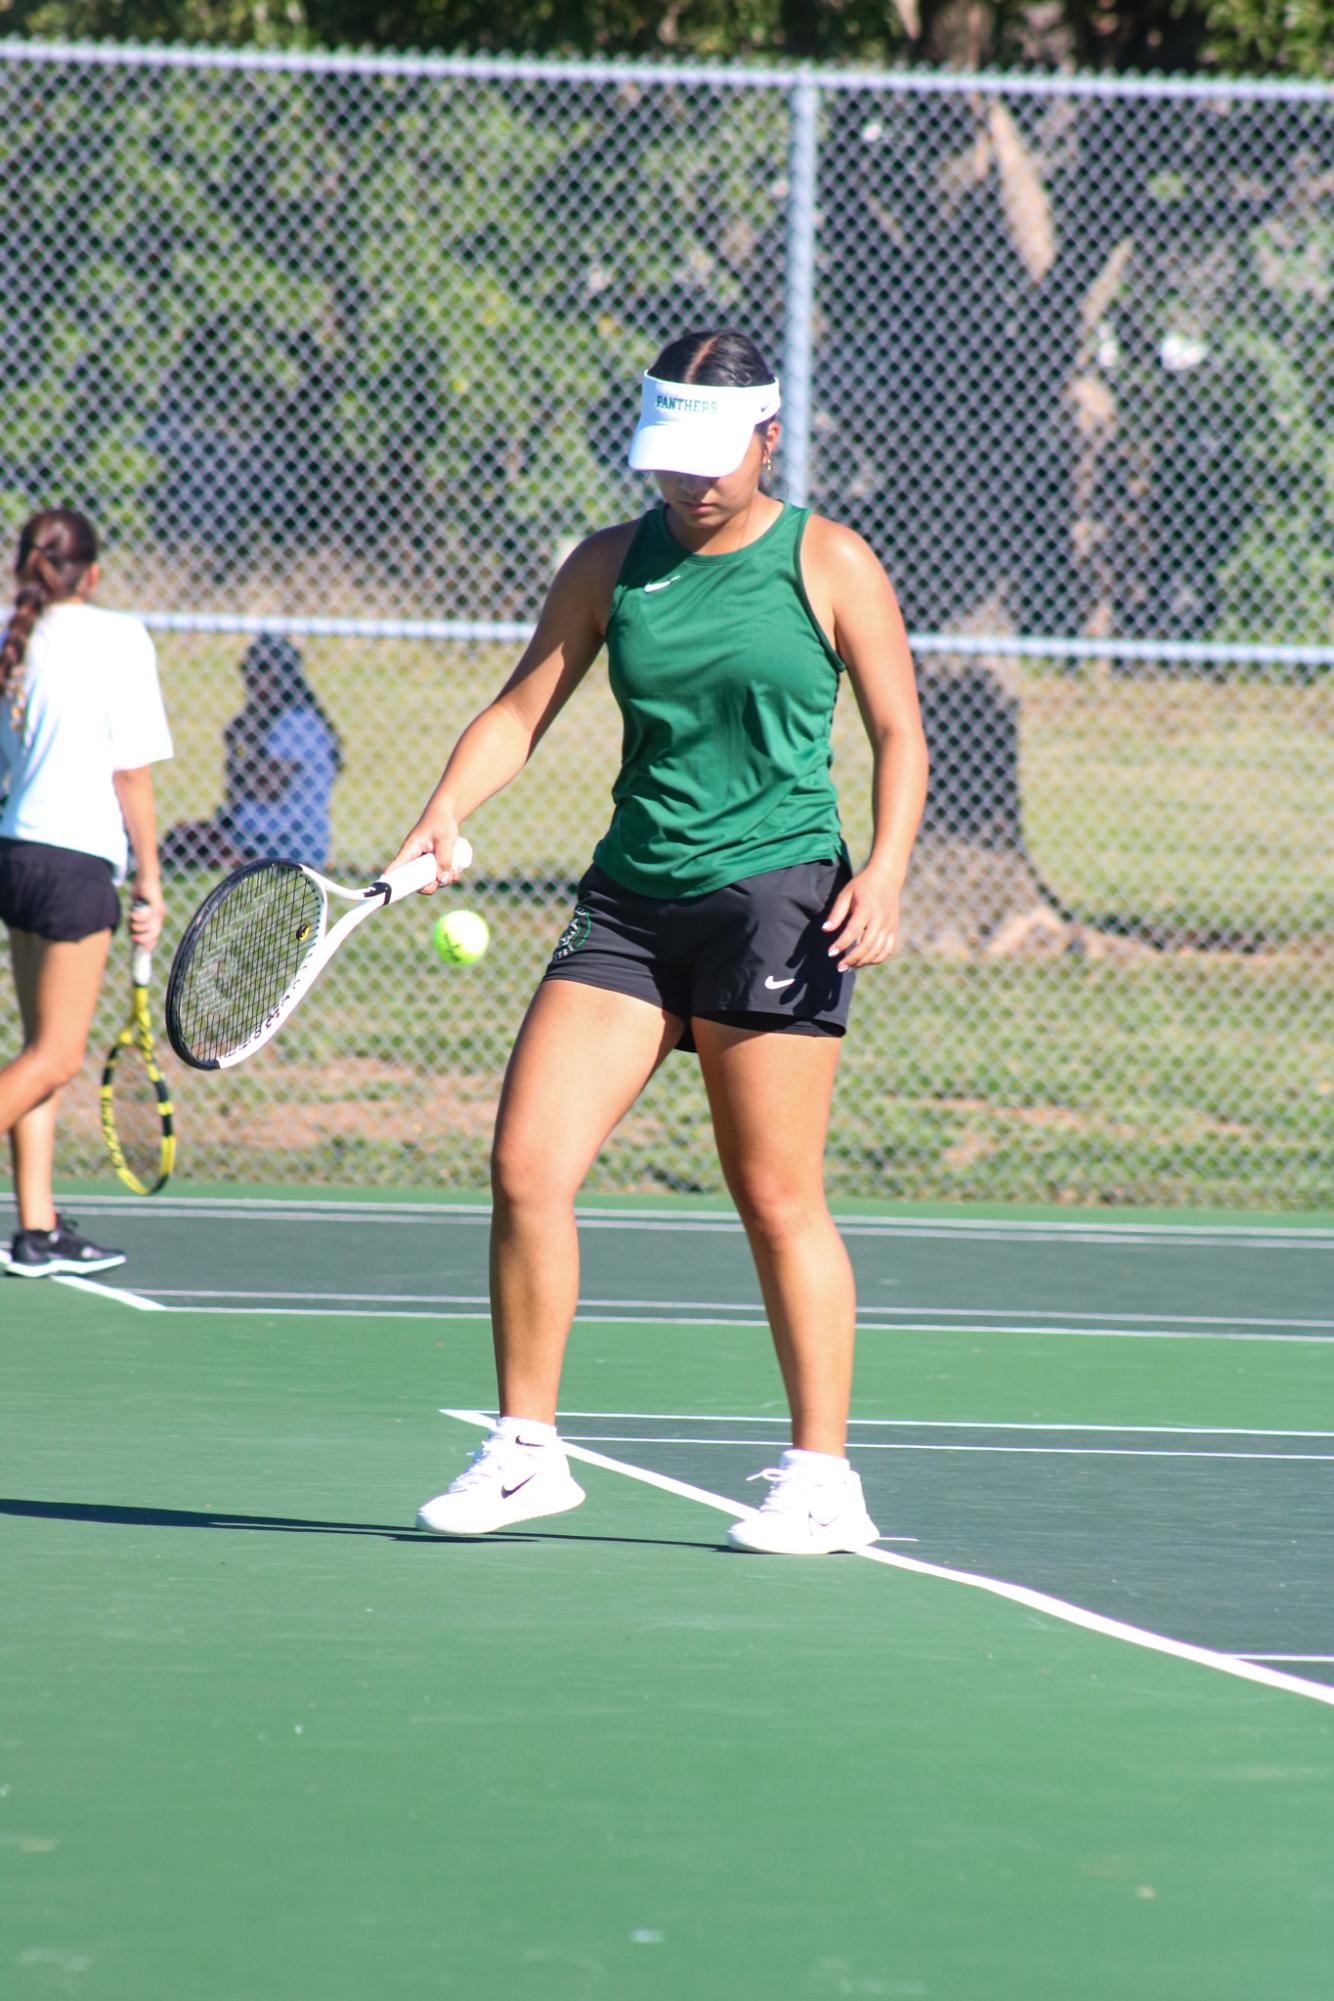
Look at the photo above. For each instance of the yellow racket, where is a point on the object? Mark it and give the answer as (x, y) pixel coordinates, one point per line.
(137, 1122)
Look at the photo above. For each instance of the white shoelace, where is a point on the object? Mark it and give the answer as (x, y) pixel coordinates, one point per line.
(484, 1465)
(790, 1489)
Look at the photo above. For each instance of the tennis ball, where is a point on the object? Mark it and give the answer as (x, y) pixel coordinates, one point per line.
(460, 937)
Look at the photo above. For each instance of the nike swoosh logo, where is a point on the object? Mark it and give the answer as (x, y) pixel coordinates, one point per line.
(662, 584)
(508, 1493)
(776, 984)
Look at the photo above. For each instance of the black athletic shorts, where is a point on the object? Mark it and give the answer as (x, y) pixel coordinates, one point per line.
(60, 894)
(752, 954)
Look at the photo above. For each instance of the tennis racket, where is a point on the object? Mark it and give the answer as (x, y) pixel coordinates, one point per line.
(256, 946)
(136, 1103)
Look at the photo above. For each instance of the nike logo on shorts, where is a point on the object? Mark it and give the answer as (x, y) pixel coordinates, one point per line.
(776, 984)
(661, 584)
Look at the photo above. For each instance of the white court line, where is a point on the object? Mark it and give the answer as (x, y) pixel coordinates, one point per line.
(966, 1313)
(1030, 1451)
(1326, 1660)
(953, 1424)
(866, 1313)
(317, 1299)
(1243, 1669)
(116, 1292)
(722, 1317)
(1266, 1235)
(977, 1327)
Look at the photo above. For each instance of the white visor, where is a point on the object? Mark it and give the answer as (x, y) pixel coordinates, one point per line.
(697, 427)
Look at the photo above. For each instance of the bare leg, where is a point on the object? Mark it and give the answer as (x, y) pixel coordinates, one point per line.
(770, 1097)
(582, 1058)
(32, 1152)
(32, 1138)
(57, 986)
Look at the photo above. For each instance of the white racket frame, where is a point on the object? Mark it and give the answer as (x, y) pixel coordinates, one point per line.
(389, 888)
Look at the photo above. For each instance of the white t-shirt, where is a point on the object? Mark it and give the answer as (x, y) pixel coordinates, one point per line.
(92, 706)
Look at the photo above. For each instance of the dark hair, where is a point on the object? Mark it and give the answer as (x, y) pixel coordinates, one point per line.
(57, 548)
(279, 660)
(718, 355)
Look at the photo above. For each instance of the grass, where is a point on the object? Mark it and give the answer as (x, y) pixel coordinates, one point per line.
(1184, 802)
(1189, 1079)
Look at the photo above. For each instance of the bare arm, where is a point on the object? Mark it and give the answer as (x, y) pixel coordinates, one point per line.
(134, 790)
(498, 743)
(850, 590)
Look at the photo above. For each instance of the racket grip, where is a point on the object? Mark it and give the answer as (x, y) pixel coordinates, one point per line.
(421, 870)
(141, 960)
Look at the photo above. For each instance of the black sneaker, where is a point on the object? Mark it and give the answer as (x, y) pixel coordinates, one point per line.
(44, 1253)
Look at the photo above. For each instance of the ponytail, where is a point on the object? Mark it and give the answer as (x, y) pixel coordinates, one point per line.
(56, 550)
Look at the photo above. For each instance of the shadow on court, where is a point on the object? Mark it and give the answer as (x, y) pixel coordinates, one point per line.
(186, 1518)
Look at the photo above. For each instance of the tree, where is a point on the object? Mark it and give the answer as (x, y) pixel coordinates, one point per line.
(1262, 37)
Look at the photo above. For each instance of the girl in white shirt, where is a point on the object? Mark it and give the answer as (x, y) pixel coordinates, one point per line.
(81, 722)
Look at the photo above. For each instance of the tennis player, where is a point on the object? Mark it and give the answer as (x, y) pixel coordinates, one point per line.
(81, 722)
(721, 914)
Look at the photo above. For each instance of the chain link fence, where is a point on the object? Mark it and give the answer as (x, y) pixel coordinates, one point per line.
(344, 350)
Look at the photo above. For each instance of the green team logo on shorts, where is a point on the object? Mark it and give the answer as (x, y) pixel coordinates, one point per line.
(574, 934)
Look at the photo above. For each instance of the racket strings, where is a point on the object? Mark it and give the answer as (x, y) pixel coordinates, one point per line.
(247, 954)
(135, 1116)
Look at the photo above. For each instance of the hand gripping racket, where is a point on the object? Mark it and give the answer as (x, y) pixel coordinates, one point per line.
(256, 946)
(136, 1103)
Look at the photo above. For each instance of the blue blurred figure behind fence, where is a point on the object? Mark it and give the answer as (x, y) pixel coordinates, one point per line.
(282, 757)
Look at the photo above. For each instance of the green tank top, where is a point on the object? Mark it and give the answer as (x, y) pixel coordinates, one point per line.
(726, 687)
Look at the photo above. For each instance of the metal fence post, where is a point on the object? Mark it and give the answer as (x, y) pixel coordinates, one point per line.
(803, 107)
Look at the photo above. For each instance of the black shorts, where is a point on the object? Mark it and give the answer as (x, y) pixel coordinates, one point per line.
(60, 894)
(752, 954)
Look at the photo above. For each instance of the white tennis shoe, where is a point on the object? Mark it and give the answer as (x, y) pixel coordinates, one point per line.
(809, 1510)
(507, 1480)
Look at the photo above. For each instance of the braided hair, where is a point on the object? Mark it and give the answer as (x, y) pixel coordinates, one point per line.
(56, 550)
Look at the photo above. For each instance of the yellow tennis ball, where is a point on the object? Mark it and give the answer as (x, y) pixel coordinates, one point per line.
(460, 937)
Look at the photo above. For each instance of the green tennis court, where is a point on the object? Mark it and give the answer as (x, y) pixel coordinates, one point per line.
(1071, 1730)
